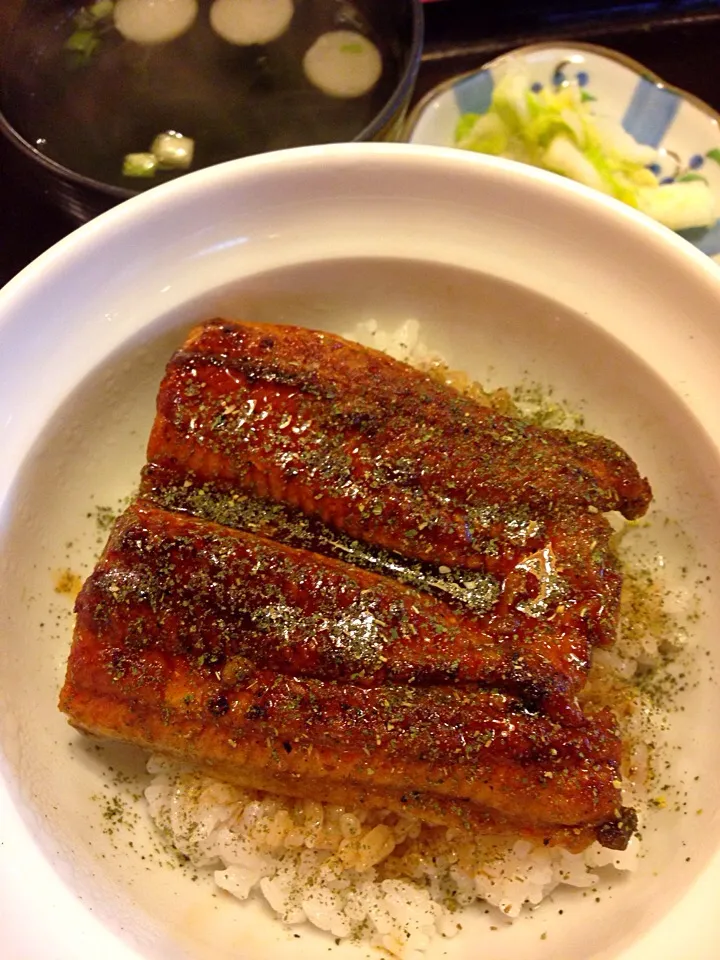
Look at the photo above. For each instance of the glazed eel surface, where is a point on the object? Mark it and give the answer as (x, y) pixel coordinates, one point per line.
(346, 581)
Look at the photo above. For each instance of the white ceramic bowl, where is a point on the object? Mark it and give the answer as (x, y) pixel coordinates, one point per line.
(511, 273)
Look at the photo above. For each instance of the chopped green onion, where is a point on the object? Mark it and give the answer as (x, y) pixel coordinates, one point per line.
(82, 41)
(101, 9)
(169, 151)
(88, 18)
(83, 20)
(88, 24)
(172, 150)
(139, 165)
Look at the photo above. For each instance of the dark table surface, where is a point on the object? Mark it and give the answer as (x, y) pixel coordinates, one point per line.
(680, 47)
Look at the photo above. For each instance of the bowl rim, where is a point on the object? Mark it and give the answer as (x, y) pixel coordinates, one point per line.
(401, 92)
(413, 119)
(374, 152)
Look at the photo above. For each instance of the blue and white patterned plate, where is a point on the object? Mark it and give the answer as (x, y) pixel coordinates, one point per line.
(684, 129)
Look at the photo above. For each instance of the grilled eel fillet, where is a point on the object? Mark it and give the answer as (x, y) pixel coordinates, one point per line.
(285, 670)
(256, 650)
(386, 455)
(562, 567)
(374, 447)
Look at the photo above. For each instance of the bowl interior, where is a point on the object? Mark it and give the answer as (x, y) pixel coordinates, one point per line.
(88, 458)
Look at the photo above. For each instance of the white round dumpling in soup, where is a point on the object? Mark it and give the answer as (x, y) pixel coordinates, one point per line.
(154, 21)
(343, 63)
(247, 22)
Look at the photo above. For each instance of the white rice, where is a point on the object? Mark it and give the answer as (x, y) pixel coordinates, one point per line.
(354, 873)
(404, 343)
(382, 877)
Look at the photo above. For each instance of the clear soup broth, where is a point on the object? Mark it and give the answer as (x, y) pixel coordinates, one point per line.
(89, 102)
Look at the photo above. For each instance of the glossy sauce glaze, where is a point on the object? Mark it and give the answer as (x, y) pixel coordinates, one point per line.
(273, 608)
